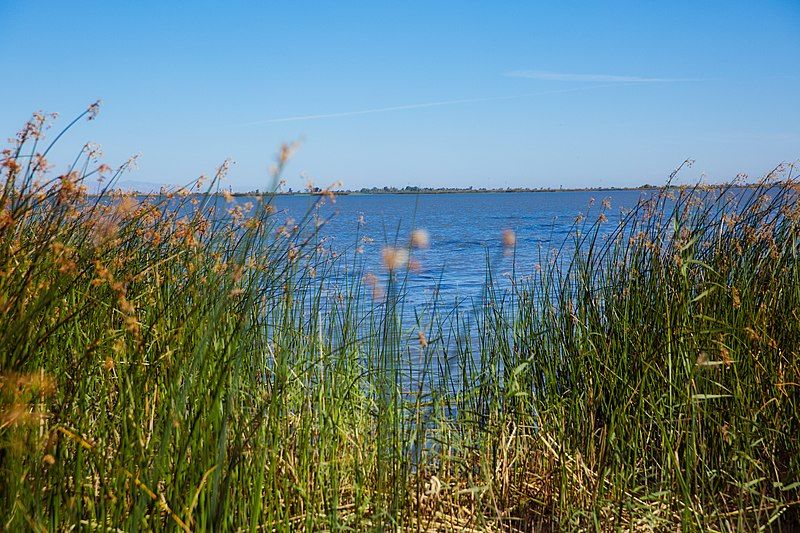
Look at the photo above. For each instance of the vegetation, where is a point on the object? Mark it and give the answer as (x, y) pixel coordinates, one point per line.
(179, 362)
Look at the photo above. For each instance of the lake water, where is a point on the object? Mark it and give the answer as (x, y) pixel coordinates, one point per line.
(466, 231)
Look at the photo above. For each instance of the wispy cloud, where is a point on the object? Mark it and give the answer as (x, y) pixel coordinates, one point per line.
(404, 107)
(596, 78)
(378, 110)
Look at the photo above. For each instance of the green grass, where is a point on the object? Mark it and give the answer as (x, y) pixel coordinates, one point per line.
(168, 366)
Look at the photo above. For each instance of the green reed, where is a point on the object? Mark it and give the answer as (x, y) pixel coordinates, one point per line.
(178, 362)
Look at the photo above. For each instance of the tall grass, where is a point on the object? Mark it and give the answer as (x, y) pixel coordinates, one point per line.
(180, 362)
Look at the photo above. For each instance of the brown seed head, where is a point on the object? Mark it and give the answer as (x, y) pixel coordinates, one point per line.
(420, 238)
(394, 258)
(509, 238)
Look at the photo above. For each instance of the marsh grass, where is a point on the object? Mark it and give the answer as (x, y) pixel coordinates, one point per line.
(179, 362)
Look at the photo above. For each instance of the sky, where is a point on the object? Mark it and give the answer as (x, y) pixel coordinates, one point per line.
(482, 94)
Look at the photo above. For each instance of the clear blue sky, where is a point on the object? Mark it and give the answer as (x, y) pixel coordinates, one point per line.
(526, 94)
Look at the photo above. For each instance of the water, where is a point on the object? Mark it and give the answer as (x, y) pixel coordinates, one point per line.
(466, 231)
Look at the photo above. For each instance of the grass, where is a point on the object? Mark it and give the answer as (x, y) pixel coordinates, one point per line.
(178, 362)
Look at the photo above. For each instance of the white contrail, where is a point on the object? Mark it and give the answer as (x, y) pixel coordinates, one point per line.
(429, 104)
(598, 78)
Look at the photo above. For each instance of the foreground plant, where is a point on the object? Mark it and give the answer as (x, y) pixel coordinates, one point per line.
(188, 361)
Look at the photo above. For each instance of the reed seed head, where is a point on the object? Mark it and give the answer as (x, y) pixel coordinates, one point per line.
(509, 238)
(394, 258)
(420, 238)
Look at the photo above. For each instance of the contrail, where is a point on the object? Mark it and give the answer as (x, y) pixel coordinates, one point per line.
(597, 78)
(440, 103)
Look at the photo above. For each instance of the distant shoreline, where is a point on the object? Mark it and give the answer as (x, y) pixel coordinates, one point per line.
(418, 191)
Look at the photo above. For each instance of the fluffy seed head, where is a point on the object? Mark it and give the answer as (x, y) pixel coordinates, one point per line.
(394, 258)
(509, 238)
(420, 238)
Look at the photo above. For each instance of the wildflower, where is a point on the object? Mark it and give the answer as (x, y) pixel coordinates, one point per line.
(602, 218)
(420, 238)
(227, 195)
(394, 258)
(607, 203)
(509, 238)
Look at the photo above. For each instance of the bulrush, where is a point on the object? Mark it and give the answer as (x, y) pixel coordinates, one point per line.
(394, 258)
(420, 238)
(169, 366)
(423, 340)
(371, 281)
(509, 238)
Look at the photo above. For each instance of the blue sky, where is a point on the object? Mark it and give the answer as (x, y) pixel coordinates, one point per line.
(415, 93)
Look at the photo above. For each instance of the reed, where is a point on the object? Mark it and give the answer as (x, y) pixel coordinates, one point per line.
(184, 361)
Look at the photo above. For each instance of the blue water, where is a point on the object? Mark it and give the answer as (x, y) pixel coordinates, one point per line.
(466, 231)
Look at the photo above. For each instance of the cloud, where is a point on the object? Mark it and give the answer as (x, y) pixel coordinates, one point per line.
(596, 78)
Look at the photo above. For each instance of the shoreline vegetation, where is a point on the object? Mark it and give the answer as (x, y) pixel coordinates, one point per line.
(317, 191)
(168, 364)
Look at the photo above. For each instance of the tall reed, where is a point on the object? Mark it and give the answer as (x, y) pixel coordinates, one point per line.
(184, 361)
